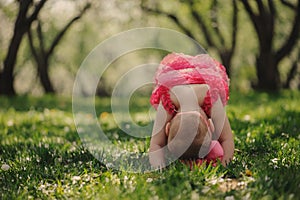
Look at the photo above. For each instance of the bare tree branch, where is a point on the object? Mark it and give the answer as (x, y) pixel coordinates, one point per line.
(22, 25)
(234, 26)
(23, 9)
(272, 7)
(292, 73)
(216, 21)
(36, 11)
(31, 45)
(41, 38)
(294, 34)
(42, 55)
(273, 13)
(251, 13)
(201, 23)
(288, 4)
(212, 35)
(173, 17)
(261, 8)
(64, 30)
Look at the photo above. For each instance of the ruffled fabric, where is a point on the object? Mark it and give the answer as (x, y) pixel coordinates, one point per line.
(180, 69)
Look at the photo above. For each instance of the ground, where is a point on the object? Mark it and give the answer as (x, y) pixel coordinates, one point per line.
(41, 154)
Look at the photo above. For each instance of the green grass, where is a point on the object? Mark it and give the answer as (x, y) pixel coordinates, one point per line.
(41, 155)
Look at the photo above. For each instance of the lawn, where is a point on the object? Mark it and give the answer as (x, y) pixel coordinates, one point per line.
(42, 157)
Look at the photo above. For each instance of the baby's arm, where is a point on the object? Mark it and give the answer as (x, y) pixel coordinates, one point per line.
(223, 131)
(159, 138)
(226, 140)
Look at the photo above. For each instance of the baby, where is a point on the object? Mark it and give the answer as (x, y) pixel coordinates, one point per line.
(190, 95)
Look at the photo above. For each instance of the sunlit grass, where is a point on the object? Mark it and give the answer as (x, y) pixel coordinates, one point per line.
(41, 154)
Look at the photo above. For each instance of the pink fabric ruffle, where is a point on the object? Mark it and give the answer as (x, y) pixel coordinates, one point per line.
(180, 69)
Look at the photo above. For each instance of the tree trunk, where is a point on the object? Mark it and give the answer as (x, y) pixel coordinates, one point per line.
(266, 64)
(268, 58)
(44, 76)
(226, 58)
(42, 55)
(22, 24)
(7, 78)
(267, 72)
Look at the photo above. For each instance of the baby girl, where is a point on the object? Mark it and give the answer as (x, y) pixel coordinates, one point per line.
(191, 122)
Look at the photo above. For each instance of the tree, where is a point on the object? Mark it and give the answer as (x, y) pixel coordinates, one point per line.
(268, 58)
(42, 55)
(292, 74)
(210, 27)
(27, 13)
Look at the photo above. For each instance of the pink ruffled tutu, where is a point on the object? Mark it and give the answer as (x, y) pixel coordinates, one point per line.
(180, 69)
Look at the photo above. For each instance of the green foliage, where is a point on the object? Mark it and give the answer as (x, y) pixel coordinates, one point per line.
(41, 155)
(108, 18)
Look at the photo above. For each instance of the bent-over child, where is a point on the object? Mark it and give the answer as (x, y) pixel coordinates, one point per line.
(190, 96)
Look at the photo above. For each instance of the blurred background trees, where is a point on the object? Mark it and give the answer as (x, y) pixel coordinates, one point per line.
(26, 14)
(42, 47)
(42, 54)
(266, 17)
(206, 20)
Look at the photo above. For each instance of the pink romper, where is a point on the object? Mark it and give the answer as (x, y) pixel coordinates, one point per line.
(180, 69)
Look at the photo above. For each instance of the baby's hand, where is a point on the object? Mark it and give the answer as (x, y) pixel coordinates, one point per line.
(226, 160)
(158, 165)
(157, 162)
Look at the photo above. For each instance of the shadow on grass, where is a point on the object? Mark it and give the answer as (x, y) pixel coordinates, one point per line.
(30, 164)
(26, 103)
